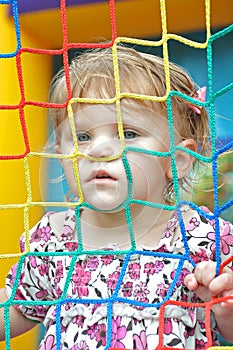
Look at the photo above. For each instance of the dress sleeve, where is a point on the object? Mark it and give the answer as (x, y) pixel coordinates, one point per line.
(226, 242)
(205, 233)
(28, 282)
(221, 233)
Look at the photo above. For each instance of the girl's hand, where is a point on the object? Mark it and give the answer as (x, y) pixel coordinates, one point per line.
(207, 285)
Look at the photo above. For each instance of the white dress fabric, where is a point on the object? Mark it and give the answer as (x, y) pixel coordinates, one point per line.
(103, 299)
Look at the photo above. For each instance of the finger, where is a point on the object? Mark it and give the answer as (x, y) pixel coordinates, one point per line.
(190, 282)
(227, 304)
(224, 308)
(222, 284)
(201, 291)
(205, 272)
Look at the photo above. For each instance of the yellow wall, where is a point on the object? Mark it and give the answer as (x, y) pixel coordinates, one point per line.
(135, 18)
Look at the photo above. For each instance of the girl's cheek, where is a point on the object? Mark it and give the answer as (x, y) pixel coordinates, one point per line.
(69, 148)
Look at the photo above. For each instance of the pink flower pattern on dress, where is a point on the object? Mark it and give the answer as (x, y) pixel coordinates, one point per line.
(140, 341)
(49, 343)
(67, 233)
(141, 292)
(127, 289)
(101, 334)
(167, 326)
(93, 263)
(161, 290)
(83, 345)
(107, 259)
(152, 268)
(148, 279)
(134, 271)
(112, 280)
(171, 226)
(59, 272)
(80, 280)
(184, 272)
(192, 224)
(199, 256)
(43, 269)
(226, 239)
(118, 333)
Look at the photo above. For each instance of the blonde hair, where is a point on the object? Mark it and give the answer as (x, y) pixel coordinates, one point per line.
(92, 75)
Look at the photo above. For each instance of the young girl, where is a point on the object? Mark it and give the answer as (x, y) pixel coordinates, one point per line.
(110, 294)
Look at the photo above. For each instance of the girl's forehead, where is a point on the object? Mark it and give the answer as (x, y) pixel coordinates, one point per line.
(99, 114)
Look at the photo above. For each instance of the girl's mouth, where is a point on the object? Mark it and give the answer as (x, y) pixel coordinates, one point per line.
(101, 177)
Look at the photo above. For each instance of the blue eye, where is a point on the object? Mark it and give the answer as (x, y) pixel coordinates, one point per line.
(83, 137)
(129, 134)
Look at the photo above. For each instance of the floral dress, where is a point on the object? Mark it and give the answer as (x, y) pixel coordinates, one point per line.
(97, 301)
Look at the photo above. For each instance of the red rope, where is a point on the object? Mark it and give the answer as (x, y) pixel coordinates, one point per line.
(63, 51)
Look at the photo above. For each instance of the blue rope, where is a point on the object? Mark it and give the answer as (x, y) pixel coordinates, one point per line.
(14, 4)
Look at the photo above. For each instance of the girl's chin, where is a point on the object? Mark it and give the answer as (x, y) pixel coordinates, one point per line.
(107, 205)
(106, 200)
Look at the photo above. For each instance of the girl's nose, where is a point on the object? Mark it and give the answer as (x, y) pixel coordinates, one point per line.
(104, 147)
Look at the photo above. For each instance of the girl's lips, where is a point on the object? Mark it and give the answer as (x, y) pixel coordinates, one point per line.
(103, 180)
(101, 176)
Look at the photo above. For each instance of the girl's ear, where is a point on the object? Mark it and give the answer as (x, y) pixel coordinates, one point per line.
(57, 149)
(184, 161)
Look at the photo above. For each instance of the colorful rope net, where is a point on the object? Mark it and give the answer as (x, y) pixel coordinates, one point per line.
(216, 153)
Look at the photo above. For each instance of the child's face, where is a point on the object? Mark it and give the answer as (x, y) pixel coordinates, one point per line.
(105, 183)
